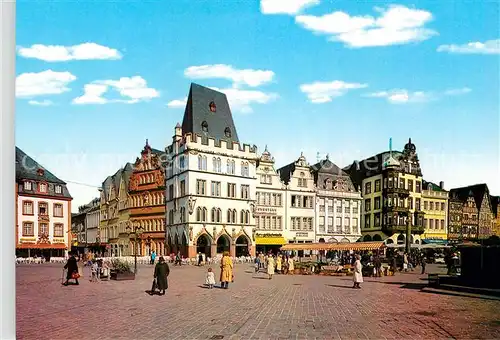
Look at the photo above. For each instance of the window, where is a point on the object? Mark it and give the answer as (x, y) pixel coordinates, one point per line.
(418, 186)
(230, 167)
(245, 193)
(302, 181)
(442, 206)
(201, 186)
(368, 205)
(245, 171)
(245, 218)
(347, 209)
(58, 230)
(402, 183)
(266, 179)
(28, 185)
(377, 185)
(410, 185)
(182, 162)
(202, 162)
(42, 187)
(183, 187)
(377, 203)
(426, 205)
(339, 209)
(368, 188)
(377, 220)
(58, 210)
(204, 126)
(410, 201)
(43, 229)
(231, 190)
(201, 214)
(28, 229)
(432, 205)
(425, 222)
(215, 189)
(431, 223)
(367, 221)
(58, 189)
(183, 214)
(322, 221)
(43, 209)
(355, 208)
(442, 224)
(27, 208)
(227, 132)
(417, 204)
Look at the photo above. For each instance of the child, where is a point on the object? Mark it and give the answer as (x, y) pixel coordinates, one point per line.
(93, 269)
(210, 280)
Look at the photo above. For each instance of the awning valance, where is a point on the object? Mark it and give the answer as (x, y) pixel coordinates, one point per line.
(42, 246)
(356, 246)
(271, 240)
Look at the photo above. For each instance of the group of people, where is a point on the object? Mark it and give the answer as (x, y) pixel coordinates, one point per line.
(280, 264)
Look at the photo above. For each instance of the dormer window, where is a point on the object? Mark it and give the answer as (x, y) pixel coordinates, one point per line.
(58, 189)
(227, 132)
(42, 187)
(40, 172)
(28, 185)
(204, 126)
(212, 107)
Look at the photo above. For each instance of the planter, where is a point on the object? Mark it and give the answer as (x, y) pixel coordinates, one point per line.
(121, 276)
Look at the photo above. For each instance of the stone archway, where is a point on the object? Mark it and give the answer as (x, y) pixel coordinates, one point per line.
(203, 245)
(367, 238)
(184, 245)
(321, 240)
(401, 239)
(241, 246)
(223, 244)
(377, 237)
(389, 241)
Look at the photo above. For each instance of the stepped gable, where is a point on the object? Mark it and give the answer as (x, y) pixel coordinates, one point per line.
(29, 169)
(208, 114)
(476, 190)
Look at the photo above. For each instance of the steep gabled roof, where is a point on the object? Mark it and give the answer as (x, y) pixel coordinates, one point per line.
(477, 191)
(198, 111)
(27, 168)
(326, 166)
(495, 201)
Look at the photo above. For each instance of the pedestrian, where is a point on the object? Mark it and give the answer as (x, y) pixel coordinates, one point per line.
(257, 264)
(279, 261)
(160, 276)
(226, 270)
(378, 266)
(72, 270)
(153, 257)
(94, 271)
(358, 272)
(394, 265)
(200, 259)
(210, 280)
(291, 266)
(423, 263)
(405, 262)
(270, 266)
(178, 259)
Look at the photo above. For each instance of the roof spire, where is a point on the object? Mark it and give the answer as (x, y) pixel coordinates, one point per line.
(327, 156)
(390, 146)
(265, 149)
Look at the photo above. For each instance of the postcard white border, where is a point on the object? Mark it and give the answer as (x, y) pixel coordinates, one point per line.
(7, 170)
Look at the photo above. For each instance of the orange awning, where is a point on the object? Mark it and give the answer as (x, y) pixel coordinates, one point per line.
(41, 246)
(356, 246)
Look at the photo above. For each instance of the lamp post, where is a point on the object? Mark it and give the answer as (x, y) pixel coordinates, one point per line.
(408, 234)
(134, 230)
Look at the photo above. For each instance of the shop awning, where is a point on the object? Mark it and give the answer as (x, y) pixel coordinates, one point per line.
(356, 246)
(41, 246)
(272, 240)
(434, 241)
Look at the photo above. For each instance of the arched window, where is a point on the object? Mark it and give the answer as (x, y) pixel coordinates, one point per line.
(234, 213)
(219, 215)
(183, 215)
(219, 165)
(204, 126)
(214, 215)
(171, 217)
(227, 132)
(248, 217)
(204, 214)
(200, 162)
(204, 161)
(198, 214)
(229, 216)
(242, 217)
(214, 164)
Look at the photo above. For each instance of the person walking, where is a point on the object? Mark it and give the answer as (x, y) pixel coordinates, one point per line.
(270, 266)
(72, 270)
(153, 257)
(358, 272)
(279, 261)
(291, 266)
(423, 262)
(226, 270)
(200, 259)
(160, 276)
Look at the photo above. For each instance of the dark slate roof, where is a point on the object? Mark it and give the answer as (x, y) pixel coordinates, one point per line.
(495, 201)
(198, 111)
(286, 171)
(326, 166)
(359, 170)
(477, 191)
(433, 186)
(27, 169)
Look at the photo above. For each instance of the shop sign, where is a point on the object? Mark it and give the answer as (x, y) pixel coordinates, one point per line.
(265, 210)
(299, 234)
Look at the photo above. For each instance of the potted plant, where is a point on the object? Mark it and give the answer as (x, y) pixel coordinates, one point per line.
(121, 270)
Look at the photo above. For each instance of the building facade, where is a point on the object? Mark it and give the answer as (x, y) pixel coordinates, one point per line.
(391, 187)
(477, 221)
(269, 210)
(455, 215)
(495, 207)
(43, 210)
(147, 201)
(435, 206)
(210, 181)
(338, 204)
(92, 222)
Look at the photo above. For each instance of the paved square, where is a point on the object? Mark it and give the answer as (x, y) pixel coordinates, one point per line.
(287, 307)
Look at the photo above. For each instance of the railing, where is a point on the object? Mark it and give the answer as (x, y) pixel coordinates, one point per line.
(395, 208)
(401, 191)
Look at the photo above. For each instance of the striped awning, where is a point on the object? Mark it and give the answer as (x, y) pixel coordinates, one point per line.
(356, 246)
(271, 240)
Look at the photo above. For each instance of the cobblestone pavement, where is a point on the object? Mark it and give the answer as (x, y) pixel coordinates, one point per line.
(287, 307)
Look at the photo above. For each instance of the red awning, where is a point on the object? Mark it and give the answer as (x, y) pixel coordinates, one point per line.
(41, 246)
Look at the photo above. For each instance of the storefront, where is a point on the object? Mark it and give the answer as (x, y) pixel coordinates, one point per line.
(46, 250)
(265, 243)
(340, 247)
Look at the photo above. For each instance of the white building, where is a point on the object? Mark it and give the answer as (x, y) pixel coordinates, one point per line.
(338, 204)
(92, 221)
(210, 181)
(43, 205)
(270, 210)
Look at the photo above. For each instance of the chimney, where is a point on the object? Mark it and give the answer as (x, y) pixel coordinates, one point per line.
(441, 185)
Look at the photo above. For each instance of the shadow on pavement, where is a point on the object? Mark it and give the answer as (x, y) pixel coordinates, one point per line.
(339, 286)
(451, 293)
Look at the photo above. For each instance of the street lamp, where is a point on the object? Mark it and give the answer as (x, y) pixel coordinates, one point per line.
(134, 230)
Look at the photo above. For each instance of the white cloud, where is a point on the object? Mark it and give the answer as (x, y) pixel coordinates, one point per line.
(55, 53)
(290, 7)
(395, 25)
(44, 102)
(402, 96)
(132, 89)
(249, 77)
(488, 47)
(43, 83)
(324, 92)
(177, 103)
(457, 92)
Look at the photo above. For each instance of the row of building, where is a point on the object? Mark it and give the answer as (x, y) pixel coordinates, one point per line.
(208, 192)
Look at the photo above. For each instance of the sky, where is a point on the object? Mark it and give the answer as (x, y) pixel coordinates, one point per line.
(95, 79)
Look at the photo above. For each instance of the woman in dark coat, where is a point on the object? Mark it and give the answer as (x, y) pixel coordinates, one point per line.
(72, 268)
(161, 273)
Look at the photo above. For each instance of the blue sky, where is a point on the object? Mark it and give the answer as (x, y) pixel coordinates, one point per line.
(336, 77)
